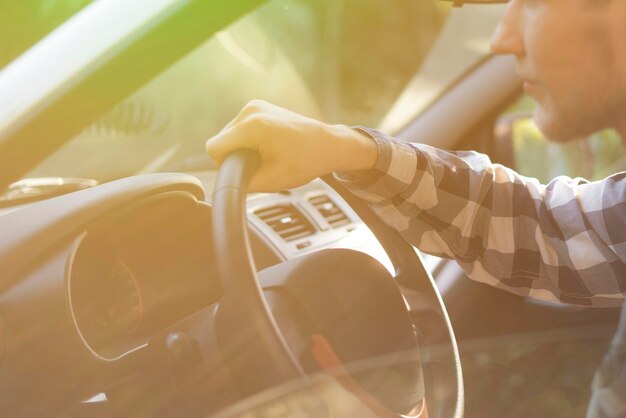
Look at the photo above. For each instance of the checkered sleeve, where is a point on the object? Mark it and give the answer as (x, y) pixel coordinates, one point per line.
(564, 241)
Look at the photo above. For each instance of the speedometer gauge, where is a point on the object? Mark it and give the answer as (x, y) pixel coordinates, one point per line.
(107, 303)
(118, 306)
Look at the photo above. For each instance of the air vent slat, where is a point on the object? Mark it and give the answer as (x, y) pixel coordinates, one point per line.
(277, 219)
(269, 212)
(289, 229)
(297, 236)
(287, 221)
(340, 217)
(330, 211)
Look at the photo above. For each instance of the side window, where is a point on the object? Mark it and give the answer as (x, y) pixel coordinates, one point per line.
(522, 146)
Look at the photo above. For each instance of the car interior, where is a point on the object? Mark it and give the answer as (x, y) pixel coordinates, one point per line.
(138, 280)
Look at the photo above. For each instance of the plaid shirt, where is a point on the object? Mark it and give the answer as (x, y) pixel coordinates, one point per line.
(565, 241)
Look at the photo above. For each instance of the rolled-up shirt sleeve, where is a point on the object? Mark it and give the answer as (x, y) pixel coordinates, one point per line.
(564, 241)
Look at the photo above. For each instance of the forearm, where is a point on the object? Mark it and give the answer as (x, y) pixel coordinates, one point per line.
(353, 150)
(503, 229)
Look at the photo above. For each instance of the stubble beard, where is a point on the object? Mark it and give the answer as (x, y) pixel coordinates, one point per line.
(577, 118)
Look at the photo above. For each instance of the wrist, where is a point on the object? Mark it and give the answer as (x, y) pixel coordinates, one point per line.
(357, 151)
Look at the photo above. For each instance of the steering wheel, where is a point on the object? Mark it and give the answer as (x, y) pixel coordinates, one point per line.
(315, 293)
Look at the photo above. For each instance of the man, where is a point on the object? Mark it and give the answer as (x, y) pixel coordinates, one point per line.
(565, 241)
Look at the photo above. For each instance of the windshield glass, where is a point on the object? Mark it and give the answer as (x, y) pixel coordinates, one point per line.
(23, 23)
(362, 62)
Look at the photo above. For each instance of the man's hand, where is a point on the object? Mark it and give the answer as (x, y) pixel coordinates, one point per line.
(294, 149)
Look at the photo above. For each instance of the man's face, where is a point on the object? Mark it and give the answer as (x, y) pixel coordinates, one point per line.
(572, 57)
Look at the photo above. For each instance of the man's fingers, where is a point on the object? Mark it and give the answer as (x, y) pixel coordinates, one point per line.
(252, 107)
(243, 134)
(291, 146)
(265, 181)
(222, 144)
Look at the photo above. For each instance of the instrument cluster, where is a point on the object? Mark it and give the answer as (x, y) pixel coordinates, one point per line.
(141, 271)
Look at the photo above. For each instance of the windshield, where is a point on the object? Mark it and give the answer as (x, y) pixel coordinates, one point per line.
(23, 23)
(353, 62)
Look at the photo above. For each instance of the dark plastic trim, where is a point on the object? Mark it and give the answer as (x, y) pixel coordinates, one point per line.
(29, 232)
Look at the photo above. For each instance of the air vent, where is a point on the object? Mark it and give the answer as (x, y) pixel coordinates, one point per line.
(330, 211)
(286, 221)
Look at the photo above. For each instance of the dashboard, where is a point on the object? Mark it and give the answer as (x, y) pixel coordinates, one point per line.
(95, 280)
(139, 270)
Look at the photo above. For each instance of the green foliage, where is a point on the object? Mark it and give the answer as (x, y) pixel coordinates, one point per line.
(24, 22)
(356, 55)
(593, 158)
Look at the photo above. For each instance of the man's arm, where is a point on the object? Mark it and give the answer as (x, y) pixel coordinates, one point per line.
(565, 241)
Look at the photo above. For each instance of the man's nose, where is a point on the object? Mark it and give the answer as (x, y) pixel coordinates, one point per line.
(507, 38)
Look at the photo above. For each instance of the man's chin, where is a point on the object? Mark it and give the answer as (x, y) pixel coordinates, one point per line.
(559, 129)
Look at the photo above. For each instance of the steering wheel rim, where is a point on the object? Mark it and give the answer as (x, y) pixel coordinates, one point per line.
(238, 273)
(274, 360)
